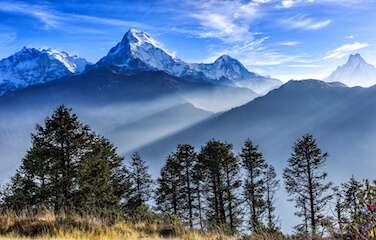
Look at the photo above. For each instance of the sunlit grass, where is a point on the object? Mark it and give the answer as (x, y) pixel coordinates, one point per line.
(50, 226)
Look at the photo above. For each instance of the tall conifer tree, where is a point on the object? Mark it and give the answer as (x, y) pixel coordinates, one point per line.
(254, 185)
(271, 185)
(306, 180)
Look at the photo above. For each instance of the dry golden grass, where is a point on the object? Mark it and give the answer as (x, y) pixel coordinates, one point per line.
(49, 226)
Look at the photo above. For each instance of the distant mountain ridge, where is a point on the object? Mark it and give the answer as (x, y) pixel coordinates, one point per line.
(355, 72)
(342, 118)
(138, 51)
(31, 66)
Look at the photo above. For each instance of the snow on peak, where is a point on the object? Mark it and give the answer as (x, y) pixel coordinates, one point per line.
(73, 63)
(137, 37)
(355, 59)
(32, 66)
(139, 51)
(225, 58)
(355, 72)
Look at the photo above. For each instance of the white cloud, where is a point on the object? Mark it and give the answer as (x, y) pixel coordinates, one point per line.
(288, 3)
(289, 43)
(55, 19)
(226, 20)
(50, 20)
(345, 50)
(306, 23)
(349, 37)
(293, 3)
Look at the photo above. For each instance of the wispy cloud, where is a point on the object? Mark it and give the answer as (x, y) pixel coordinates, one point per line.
(226, 20)
(349, 37)
(255, 54)
(288, 3)
(55, 19)
(289, 43)
(49, 19)
(306, 23)
(345, 50)
(293, 3)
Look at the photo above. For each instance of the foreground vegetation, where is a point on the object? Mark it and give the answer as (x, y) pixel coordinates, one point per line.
(47, 225)
(213, 191)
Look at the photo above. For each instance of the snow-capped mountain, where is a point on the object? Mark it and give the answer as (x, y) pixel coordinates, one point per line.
(232, 72)
(356, 72)
(137, 50)
(31, 66)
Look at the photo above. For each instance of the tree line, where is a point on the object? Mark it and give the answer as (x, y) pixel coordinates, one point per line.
(69, 168)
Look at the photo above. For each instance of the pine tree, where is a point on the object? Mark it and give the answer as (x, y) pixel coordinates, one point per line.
(271, 185)
(67, 168)
(254, 185)
(231, 169)
(168, 197)
(220, 171)
(51, 163)
(197, 181)
(339, 208)
(186, 159)
(97, 171)
(141, 191)
(351, 201)
(18, 194)
(306, 181)
(64, 140)
(302, 206)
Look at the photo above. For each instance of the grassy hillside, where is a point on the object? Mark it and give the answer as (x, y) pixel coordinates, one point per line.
(50, 226)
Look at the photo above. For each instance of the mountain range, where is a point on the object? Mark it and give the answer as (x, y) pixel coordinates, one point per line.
(340, 117)
(31, 66)
(143, 98)
(137, 51)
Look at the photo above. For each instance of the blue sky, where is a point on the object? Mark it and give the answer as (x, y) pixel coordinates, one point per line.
(282, 38)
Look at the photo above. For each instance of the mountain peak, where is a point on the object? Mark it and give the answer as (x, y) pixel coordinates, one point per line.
(355, 72)
(32, 66)
(139, 51)
(139, 37)
(226, 59)
(356, 59)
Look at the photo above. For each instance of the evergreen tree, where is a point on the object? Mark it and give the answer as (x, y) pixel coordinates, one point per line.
(141, 180)
(18, 194)
(220, 172)
(197, 181)
(351, 201)
(63, 141)
(271, 185)
(232, 178)
(306, 181)
(67, 168)
(339, 208)
(186, 159)
(254, 185)
(51, 163)
(302, 206)
(168, 197)
(97, 172)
